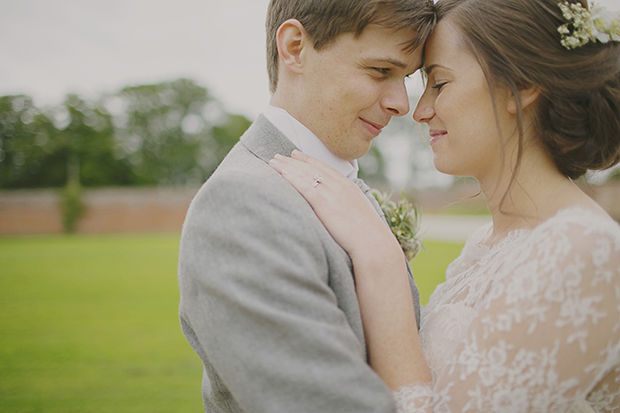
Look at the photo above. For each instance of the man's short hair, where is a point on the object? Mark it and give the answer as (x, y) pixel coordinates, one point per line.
(324, 20)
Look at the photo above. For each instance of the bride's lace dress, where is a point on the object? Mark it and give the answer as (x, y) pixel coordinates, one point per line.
(529, 325)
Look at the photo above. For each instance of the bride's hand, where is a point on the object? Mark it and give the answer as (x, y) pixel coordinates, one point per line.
(382, 281)
(338, 202)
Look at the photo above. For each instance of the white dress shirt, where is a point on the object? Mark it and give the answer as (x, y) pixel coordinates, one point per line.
(307, 142)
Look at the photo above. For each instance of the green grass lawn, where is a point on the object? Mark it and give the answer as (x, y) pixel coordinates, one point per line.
(429, 267)
(89, 324)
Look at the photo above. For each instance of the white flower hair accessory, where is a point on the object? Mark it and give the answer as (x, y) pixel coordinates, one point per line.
(588, 25)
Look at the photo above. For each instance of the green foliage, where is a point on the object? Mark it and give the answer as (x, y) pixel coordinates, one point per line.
(173, 132)
(226, 136)
(38, 144)
(90, 324)
(73, 207)
(24, 142)
(89, 136)
(165, 134)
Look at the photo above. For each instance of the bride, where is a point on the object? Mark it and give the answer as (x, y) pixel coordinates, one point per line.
(523, 95)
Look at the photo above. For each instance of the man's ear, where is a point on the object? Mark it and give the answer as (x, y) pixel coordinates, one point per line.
(527, 96)
(291, 38)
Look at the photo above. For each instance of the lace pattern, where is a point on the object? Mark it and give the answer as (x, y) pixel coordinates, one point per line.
(529, 325)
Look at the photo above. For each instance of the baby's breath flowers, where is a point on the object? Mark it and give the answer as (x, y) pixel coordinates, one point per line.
(404, 220)
(586, 26)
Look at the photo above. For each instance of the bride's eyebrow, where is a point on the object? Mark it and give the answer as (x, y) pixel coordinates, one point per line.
(429, 69)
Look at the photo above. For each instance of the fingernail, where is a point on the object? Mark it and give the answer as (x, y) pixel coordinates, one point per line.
(295, 152)
(278, 156)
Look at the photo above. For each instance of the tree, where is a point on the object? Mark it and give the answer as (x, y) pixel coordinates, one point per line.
(85, 138)
(24, 142)
(169, 133)
(173, 132)
(37, 146)
(226, 135)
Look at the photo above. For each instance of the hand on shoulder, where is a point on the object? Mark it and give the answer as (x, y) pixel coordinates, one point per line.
(339, 203)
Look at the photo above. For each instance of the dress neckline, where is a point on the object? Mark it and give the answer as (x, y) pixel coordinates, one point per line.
(518, 233)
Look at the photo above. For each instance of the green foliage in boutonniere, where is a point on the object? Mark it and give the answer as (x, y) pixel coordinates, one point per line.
(404, 220)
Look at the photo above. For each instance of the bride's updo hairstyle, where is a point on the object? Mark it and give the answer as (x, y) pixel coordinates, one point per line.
(517, 43)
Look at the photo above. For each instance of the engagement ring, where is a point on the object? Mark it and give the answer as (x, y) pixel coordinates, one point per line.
(317, 180)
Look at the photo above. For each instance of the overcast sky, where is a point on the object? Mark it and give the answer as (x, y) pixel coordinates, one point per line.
(49, 48)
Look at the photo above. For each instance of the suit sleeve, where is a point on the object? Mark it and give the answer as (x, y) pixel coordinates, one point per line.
(255, 294)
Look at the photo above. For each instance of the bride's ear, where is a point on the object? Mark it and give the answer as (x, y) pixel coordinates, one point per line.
(527, 97)
(291, 38)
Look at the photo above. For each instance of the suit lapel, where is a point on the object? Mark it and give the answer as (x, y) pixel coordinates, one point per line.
(264, 140)
(367, 191)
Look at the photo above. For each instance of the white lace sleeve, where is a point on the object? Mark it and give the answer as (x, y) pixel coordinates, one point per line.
(414, 398)
(546, 334)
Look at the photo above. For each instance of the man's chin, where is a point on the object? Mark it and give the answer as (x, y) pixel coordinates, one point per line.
(359, 152)
(352, 152)
(352, 155)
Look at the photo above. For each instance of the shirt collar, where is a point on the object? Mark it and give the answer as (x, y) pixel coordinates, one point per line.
(308, 142)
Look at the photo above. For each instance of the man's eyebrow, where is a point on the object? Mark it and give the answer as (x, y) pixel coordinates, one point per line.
(397, 63)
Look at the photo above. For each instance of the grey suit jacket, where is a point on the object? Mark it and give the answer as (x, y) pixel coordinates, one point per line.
(267, 296)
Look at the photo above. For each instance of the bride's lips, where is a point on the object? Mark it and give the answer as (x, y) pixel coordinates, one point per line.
(436, 135)
(372, 127)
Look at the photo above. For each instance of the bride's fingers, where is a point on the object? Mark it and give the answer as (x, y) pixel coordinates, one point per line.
(322, 187)
(302, 162)
(286, 166)
(289, 166)
(321, 166)
(338, 202)
(304, 177)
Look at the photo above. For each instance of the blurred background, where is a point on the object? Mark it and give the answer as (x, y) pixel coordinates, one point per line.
(111, 116)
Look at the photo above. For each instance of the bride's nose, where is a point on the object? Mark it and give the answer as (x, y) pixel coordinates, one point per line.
(424, 111)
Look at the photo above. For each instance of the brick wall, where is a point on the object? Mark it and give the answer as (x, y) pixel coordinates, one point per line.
(110, 210)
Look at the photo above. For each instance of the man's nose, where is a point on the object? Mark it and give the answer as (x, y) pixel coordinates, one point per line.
(397, 100)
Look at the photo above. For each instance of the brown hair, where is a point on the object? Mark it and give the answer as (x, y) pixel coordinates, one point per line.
(518, 45)
(324, 20)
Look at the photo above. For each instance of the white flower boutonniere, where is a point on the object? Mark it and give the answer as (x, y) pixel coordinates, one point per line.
(404, 220)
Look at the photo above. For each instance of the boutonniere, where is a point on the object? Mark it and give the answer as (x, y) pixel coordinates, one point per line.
(404, 220)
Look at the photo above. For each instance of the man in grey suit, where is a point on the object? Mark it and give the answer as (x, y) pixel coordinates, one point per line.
(267, 296)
